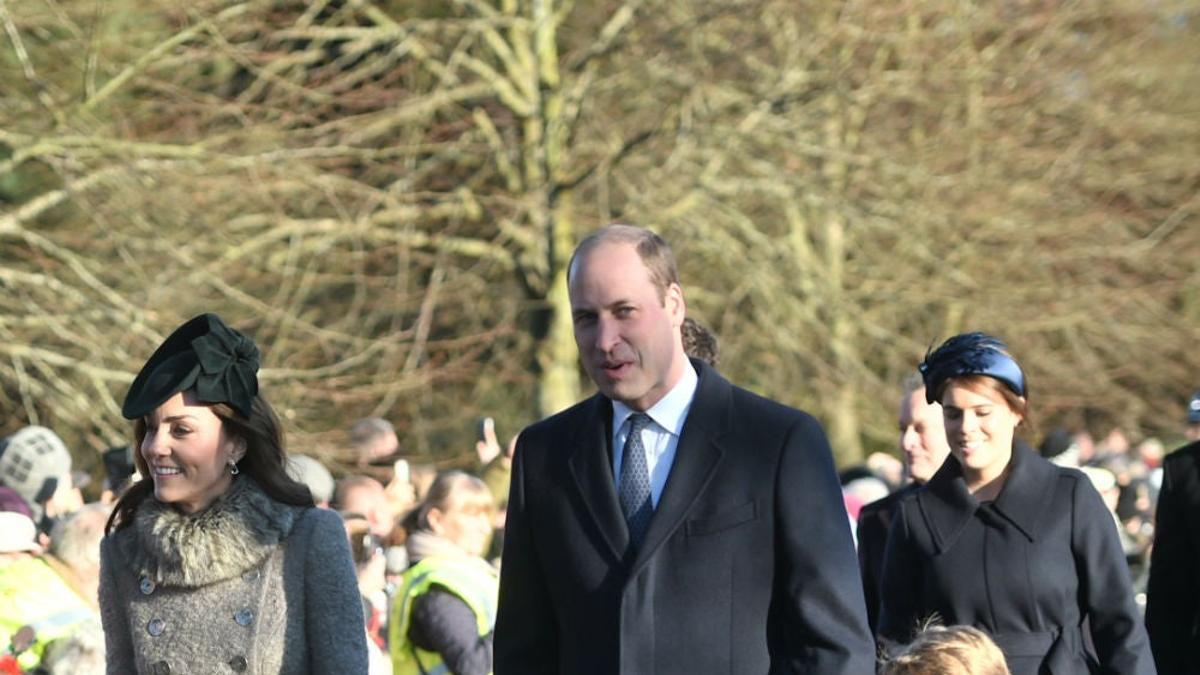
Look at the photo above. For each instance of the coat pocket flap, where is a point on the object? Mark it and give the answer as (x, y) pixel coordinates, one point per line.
(710, 524)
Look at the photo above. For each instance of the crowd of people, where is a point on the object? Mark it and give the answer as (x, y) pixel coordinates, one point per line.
(672, 523)
(401, 547)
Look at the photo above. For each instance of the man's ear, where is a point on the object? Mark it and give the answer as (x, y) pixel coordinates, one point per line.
(675, 305)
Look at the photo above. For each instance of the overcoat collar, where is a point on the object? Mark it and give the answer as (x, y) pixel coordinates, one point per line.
(696, 458)
(947, 506)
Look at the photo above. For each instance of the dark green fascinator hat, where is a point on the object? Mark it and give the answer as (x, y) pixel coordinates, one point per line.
(215, 361)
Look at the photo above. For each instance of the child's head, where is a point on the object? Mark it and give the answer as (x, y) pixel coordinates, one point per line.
(953, 650)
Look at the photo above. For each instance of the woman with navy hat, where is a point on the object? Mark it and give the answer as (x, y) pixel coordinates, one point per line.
(1005, 541)
(216, 560)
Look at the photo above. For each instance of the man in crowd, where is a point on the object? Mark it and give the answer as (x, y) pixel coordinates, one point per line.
(365, 496)
(1173, 594)
(672, 523)
(373, 439)
(923, 444)
(377, 453)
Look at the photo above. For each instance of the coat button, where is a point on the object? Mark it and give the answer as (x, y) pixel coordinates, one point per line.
(251, 576)
(238, 663)
(156, 628)
(146, 586)
(161, 668)
(243, 617)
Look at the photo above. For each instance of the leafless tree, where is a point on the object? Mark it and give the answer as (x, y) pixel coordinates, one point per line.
(385, 195)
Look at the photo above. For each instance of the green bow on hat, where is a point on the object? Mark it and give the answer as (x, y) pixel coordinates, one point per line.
(204, 355)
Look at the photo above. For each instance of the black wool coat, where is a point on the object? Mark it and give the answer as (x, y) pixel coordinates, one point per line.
(1026, 569)
(1173, 598)
(874, 521)
(747, 565)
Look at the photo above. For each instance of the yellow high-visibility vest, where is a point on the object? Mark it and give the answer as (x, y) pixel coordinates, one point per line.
(471, 579)
(33, 594)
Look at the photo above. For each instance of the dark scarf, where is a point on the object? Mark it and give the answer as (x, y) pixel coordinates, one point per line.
(231, 536)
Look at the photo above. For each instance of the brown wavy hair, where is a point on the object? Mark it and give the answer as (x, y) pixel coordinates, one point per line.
(265, 460)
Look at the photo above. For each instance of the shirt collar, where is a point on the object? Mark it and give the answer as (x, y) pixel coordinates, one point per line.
(671, 410)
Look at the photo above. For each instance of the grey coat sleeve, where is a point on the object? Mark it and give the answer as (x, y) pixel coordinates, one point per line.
(1117, 631)
(118, 644)
(337, 633)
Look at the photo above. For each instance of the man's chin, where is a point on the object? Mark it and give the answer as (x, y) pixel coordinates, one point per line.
(921, 472)
(619, 391)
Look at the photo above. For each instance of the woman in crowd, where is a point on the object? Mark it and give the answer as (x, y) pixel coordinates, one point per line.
(216, 560)
(445, 608)
(1005, 541)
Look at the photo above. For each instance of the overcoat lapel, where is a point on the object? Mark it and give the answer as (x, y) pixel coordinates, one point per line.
(591, 468)
(946, 505)
(696, 460)
(1029, 490)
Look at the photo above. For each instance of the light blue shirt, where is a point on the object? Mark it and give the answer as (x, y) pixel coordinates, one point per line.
(660, 438)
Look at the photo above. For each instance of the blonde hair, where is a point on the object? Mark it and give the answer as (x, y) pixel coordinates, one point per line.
(954, 650)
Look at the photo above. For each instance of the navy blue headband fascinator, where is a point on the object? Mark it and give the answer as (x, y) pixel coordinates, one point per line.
(215, 361)
(970, 354)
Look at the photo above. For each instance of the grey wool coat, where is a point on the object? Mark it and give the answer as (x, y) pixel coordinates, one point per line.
(249, 585)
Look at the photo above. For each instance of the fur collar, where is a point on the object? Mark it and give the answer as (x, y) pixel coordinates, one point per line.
(233, 535)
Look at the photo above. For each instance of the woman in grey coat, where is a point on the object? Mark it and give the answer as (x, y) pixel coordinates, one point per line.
(216, 561)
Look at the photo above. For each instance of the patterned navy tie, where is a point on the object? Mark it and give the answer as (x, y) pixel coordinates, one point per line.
(635, 481)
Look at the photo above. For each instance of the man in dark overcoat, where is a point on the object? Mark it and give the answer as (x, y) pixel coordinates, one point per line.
(924, 448)
(1173, 595)
(672, 523)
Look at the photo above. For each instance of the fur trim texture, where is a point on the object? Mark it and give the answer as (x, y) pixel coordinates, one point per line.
(233, 535)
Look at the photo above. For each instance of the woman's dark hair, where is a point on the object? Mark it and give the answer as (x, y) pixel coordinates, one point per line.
(265, 460)
(444, 486)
